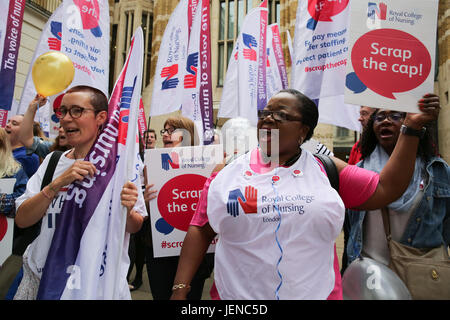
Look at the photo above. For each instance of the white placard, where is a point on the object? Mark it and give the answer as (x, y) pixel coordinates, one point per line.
(179, 175)
(6, 224)
(392, 53)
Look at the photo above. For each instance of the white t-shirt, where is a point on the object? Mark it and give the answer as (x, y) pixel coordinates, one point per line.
(37, 251)
(247, 264)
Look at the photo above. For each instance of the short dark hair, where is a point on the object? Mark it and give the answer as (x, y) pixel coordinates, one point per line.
(151, 130)
(98, 98)
(308, 110)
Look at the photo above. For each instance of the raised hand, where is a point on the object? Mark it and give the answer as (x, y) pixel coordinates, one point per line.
(38, 99)
(430, 107)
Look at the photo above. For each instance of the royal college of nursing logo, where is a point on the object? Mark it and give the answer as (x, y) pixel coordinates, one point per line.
(374, 11)
(250, 44)
(54, 43)
(168, 73)
(90, 15)
(171, 160)
(190, 80)
(324, 10)
(249, 203)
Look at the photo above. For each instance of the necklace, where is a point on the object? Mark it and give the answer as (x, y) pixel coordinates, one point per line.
(292, 160)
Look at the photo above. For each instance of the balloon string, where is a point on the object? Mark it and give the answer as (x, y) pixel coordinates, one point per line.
(278, 242)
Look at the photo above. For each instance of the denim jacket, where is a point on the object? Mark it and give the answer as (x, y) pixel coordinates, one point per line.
(7, 200)
(429, 225)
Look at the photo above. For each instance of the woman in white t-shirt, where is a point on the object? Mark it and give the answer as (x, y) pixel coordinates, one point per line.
(277, 222)
(83, 112)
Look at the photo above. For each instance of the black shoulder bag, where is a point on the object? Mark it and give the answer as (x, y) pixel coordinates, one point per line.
(330, 168)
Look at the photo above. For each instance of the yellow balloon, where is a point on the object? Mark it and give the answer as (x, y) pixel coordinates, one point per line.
(52, 73)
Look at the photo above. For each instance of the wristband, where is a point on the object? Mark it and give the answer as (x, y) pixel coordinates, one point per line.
(413, 132)
(45, 194)
(181, 286)
(51, 188)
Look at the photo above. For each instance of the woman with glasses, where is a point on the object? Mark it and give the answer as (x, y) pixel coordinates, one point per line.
(420, 218)
(83, 112)
(277, 221)
(178, 132)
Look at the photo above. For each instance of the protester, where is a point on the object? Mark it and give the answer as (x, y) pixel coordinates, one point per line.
(420, 218)
(150, 139)
(136, 249)
(355, 156)
(35, 143)
(82, 113)
(178, 131)
(29, 162)
(364, 116)
(10, 169)
(281, 244)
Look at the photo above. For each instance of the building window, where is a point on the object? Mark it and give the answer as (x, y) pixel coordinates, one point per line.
(112, 55)
(129, 29)
(147, 26)
(274, 11)
(232, 13)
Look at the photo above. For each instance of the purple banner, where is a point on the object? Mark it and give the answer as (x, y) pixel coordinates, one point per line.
(206, 103)
(10, 53)
(77, 209)
(279, 56)
(262, 59)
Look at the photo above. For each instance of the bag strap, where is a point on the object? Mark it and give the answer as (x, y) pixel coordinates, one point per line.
(331, 170)
(48, 176)
(24, 236)
(386, 223)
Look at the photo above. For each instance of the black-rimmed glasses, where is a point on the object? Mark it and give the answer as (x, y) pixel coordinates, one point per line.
(276, 115)
(394, 116)
(75, 112)
(169, 131)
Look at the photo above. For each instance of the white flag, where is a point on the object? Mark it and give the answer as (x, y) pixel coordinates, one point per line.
(50, 40)
(85, 40)
(276, 70)
(252, 61)
(320, 58)
(168, 82)
(88, 258)
(197, 82)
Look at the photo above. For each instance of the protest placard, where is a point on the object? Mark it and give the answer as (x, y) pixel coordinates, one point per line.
(6, 224)
(392, 53)
(179, 175)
